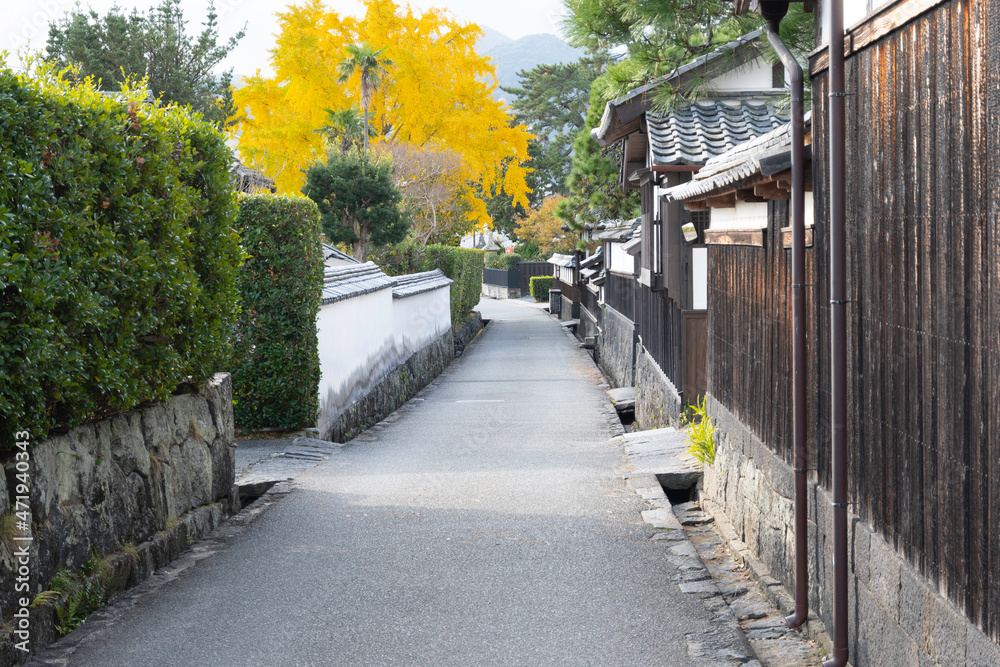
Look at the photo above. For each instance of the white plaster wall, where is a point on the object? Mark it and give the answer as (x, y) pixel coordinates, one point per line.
(363, 338)
(419, 320)
(699, 278)
(754, 75)
(745, 215)
(620, 261)
(356, 349)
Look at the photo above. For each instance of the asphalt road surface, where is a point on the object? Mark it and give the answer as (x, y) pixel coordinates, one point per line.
(487, 525)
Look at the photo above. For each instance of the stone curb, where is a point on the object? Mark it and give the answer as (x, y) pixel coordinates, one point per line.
(772, 588)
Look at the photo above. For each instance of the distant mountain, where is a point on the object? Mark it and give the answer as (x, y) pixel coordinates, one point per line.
(510, 56)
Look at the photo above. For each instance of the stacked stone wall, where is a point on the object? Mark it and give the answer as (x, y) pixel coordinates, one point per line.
(895, 617)
(135, 488)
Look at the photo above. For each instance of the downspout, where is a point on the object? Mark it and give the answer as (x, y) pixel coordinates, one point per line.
(773, 12)
(838, 333)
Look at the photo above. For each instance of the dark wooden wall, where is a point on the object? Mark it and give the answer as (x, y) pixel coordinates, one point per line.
(619, 293)
(923, 208)
(658, 321)
(530, 270)
(749, 332)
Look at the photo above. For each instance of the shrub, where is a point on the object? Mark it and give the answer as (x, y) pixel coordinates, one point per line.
(503, 261)
(118, 256)
(276, 355)
(462, 265)
(539, 287)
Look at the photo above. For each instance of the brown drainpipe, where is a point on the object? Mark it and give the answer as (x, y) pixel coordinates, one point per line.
(773, 12)
(838, 334)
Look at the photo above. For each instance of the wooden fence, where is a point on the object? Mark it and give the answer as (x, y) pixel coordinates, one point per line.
(923, 234)
(531, 269)
(590, 302)
(619, 293)
(658, 321)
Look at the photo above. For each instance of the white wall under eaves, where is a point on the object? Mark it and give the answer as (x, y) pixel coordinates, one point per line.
(754, 75)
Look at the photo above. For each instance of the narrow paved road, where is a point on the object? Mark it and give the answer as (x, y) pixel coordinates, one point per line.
(486, 525)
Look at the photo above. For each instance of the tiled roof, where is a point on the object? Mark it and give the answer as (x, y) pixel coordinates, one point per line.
(594, 259)
(634, 247)
(248, 180)
(330, 252)
(619, 230)
(639, 100)
(350, 281)
(694, 134)
(761, 155)
(418, 283)
(566, 261)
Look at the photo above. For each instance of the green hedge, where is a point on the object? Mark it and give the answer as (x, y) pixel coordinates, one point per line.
(540, 286)
(503, 261)
(276, 353)
(118, 256)
(462, 265)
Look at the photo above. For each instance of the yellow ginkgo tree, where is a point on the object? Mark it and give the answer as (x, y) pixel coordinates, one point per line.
(436, 94)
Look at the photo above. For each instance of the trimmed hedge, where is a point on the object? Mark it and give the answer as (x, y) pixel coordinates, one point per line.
(118, 256)
(276, 351)
(539, 287)
(462, 265)
(503, 261)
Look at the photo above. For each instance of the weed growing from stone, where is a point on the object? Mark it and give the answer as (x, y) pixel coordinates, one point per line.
(701, 434)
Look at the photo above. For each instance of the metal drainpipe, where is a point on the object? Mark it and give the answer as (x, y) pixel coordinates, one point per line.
(773, 13)
(838, 333)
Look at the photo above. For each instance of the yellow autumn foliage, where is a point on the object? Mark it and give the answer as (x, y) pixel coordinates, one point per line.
(438, 94)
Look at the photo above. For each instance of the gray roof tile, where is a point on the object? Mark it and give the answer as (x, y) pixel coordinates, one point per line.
(418, 283)
(694, 134)
(350, 281)
(727, 170)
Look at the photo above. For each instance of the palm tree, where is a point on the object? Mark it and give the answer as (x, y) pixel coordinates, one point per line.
(373, 68)
(345, 125)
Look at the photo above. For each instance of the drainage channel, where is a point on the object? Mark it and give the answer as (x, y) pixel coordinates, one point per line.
(759, 612)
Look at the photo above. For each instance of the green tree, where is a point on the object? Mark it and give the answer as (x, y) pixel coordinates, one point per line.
(372, 68)
(658, 36)
(593, 180)
(552, 101)
(179, 67)
(345, 126)
(358, 202)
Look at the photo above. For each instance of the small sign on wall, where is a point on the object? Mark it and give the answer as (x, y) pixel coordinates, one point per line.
(509, 251)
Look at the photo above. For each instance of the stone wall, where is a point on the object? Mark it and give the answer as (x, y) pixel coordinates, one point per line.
(395, 388)
(615, 348)
(145, 482)
(657, 401)
(896, 618)
(501, 292)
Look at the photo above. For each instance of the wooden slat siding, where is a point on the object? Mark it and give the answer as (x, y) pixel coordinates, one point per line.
(530, 270)
(569, 291)
(985, 179)
(658, 321)
(619, 293)
(589, 301)
(749, 334)
(923, 188)
(990, 26)
(693, 335)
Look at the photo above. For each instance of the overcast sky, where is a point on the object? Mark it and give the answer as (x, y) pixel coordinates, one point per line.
(25, 22)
